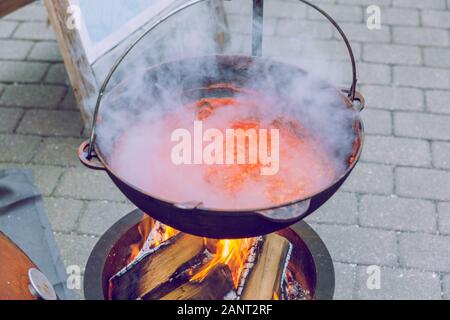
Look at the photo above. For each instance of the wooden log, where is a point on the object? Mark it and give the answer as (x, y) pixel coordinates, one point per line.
(217, 284)
(8, 6)
(265, 277)
(156, 267)
(79, 70)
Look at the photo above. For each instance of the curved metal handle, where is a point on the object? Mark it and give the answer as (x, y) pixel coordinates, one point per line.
(352, 90)
(90, 152)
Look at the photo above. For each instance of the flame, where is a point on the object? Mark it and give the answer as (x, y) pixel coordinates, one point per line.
(152, 234)
(233, 253)
(161, 233)
(144, 230)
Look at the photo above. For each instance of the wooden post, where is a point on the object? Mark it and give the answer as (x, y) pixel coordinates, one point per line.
(79, 70)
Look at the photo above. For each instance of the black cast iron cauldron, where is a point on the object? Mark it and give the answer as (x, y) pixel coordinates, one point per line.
(192, 217)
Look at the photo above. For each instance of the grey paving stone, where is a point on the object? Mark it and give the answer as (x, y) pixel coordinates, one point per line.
(424, 251)
(377, 121)
(438, 101)
(420, 77)
(421, 125)
(441, 155)
(429, 4)
(14, 49)
(400, 284)
(421, 36)
(69, 101)
(9, 119)
(32, 96)
(437, 57)
(436, 18)
(446, 287)
(75, 249)
(85, 184)
(59, 152)
(57, 74)
(17, 148)
(302, 28)
(278, 9)
(7, 28)
(360, 32)
(444, 217)
(339, 13)
(63, 213)
(392, 212)
(28, 13)
(352, 244)
(371, 178)
(393, 98)
(345, 281)
(400, 16)
(46, 177)
(382, 3)
(423, 183)
(45, 51)
(101, 215)
(341, 209)
(371, 73)
(326, 49)
(397, 151)
(51, 123)
(394, 54)
(34, 31)
(20, 71)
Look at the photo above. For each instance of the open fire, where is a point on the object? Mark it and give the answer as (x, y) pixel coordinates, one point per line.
(248, 269)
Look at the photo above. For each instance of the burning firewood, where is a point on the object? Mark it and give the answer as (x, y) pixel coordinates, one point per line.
(156, 267)
(265, 277)
(217, 284)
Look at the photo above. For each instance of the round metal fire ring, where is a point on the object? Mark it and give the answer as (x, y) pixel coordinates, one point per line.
(110, 255)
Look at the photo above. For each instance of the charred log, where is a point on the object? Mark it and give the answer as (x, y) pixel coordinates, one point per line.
(217, 284)
(156, 267)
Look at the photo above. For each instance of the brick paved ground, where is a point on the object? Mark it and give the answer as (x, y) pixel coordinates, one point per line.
(394, 212)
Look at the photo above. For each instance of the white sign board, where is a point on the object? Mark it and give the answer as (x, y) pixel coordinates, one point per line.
(103, 24)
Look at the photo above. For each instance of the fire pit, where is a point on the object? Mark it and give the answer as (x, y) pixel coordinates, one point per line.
(309, 265)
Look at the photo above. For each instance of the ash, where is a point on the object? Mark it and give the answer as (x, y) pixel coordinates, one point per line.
(292, 290)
